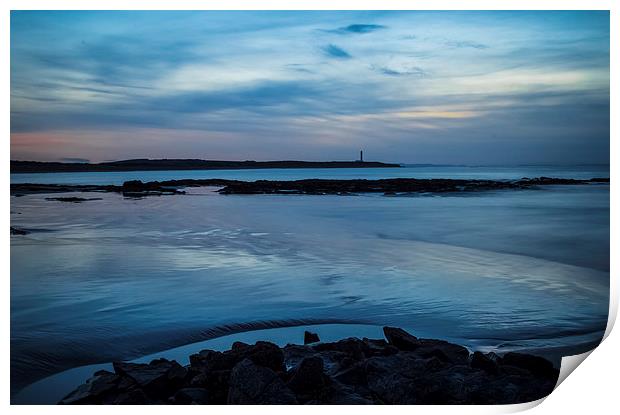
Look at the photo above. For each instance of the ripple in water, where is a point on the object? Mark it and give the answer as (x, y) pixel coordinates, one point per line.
(119, 279)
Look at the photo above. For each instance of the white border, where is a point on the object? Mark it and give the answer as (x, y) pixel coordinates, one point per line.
(592, 389)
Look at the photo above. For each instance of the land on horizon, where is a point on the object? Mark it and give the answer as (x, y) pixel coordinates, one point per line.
(18, 166)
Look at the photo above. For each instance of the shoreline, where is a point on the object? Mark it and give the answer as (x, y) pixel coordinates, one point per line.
(18, 166)
(397, 369)
(52, 388)
(389, 187)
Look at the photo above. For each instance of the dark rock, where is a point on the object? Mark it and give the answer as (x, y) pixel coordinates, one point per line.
(354, 348)
(536, 365)
(158, 378)
(131, 396)
(294, 354)
(268, 355)
(389, 187)
(447, 352)
(237, 346)
(262, 353)
(404, 370)
(379, 347)
(484, 362)
(308, 376)
(216, 382)
(338, 394)
(188, 396)
(72, 199)
(311, 337)
(17, 231)
(353, 375)
(205, 359)
(93, 390)
(253, 384)
(391, 379)
(400, 338)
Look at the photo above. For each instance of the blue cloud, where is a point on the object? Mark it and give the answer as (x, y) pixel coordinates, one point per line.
(334, 51)
(275, 84)
(358, 28)
(411, 71)
(466, 44)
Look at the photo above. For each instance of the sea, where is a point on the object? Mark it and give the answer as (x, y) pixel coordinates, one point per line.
(122, 278)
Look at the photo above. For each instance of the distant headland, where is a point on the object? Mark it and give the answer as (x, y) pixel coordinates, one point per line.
(185, 164)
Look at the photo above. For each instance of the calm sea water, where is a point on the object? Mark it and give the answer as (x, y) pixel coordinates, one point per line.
(122, 278)
(421, 172)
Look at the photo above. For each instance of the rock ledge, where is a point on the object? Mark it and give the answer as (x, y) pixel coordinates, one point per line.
(402, 370)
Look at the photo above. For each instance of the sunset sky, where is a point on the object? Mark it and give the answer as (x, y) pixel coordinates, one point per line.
(410, 87)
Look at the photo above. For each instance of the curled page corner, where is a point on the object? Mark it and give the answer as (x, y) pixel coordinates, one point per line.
(569, 364)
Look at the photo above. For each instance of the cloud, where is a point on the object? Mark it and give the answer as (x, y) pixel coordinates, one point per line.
(298, 67)
(466, 44)
(284, 88)
(358, 28)
(411, 71)
(334, 51)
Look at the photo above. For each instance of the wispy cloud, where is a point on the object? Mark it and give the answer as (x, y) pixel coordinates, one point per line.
(90, 85)
(410, 71)
(334, 51)
(466, 44)
(358, 29)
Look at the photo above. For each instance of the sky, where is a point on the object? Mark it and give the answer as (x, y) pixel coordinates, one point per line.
(411, 87)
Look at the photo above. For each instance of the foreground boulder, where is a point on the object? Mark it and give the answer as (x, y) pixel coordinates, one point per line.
(402, 370)
(253, 384)
(311, 337)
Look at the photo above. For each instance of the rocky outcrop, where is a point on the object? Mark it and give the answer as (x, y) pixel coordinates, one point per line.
(18, 231)
(389, 187)
(310, 337)
(72, 199)
(402, 370)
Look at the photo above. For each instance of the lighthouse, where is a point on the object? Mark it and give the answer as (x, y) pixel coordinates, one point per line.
(361, 156)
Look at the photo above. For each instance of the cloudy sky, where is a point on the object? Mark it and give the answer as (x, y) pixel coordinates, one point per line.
(413, 87)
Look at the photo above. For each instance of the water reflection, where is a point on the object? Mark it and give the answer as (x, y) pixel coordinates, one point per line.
(118, 278)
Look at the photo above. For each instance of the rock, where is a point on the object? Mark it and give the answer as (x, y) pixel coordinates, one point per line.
(262, 353)
(131, 396)
(311, 337)
(484, 362)
(294, 354)
(253, 384)
(268, 355)
(447, 352)
(188, 396)
(353, 375)
(158, 378)
(379, 347)
(402, 370)
(17, 231)
(388, 384)
(338, 394)
(205, 359)
(352, 347)
(216, 382)
(400, 338)
(237, 346)
(93, 390)
(72, 199)
(536, 365)
(308, 376)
